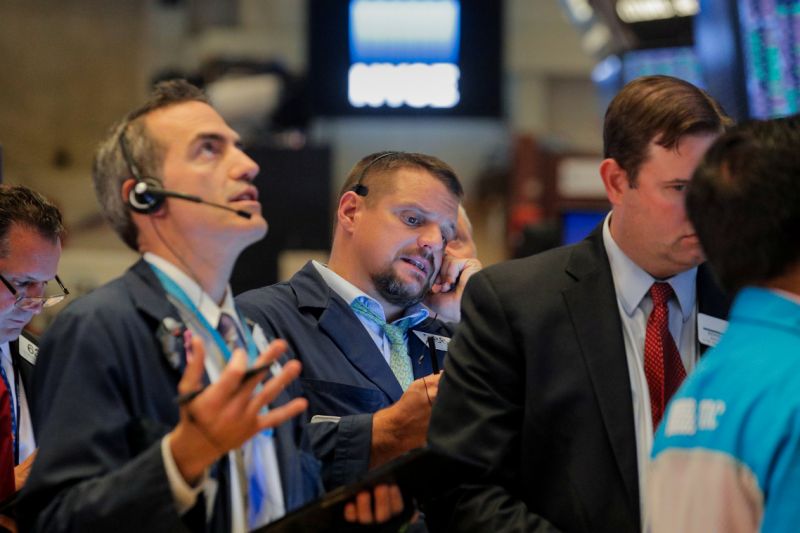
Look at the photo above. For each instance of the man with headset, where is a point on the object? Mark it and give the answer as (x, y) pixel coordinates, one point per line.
(119, 450)
(369, 348)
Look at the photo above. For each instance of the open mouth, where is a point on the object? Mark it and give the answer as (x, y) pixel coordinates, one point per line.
(248, 195)
(422, 265)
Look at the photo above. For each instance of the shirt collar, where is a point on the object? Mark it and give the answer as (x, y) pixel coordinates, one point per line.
(349, 293)
(204, 303)
(632, 283)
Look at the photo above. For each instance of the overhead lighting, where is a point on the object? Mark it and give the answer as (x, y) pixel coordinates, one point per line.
(580, 10)
(596, 38)
(644, 10)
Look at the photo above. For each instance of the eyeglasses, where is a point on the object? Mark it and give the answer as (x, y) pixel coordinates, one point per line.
(34, 303)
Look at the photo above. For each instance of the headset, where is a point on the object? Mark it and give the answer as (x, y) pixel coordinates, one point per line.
(361, 189)
(148, 195)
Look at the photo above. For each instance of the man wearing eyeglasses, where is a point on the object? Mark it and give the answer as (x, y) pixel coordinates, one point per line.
(30, 247)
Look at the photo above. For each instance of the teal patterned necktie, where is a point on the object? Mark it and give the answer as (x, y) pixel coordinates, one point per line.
(396, 333)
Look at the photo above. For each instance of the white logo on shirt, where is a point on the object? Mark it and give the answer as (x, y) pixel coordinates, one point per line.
(687, 418)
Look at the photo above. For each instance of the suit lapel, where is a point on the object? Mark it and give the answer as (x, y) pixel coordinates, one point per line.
(150, 299)
(341, 325)
(599, 335)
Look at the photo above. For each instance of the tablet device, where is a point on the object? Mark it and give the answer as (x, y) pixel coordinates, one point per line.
(420, 474)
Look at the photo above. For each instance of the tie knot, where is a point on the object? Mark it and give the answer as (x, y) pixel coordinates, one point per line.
(229, 331)
(660, 292)
(394, 332)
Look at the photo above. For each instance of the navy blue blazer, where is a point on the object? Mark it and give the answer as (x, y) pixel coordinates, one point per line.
(103, 397)
(344, 374)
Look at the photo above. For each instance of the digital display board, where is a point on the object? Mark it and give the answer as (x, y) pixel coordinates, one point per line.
(680, 62)
(770, 35)
(404, 53)
(405, 57)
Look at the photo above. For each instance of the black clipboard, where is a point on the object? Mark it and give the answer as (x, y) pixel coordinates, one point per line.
(420, 474)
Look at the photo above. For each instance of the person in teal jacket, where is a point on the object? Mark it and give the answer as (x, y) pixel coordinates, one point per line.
(727, 455)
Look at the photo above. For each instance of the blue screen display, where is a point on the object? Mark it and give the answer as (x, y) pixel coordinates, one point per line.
(404, 53)
(576, 225)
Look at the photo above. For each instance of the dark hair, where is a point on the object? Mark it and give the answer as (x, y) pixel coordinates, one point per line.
(110, 170)
(662, 109)
(370, 167)
(744, 202)
(21, 205)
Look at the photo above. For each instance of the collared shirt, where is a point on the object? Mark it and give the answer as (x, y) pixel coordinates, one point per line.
(27, 443)
(186, 495)
(350, 292)
(632, 286)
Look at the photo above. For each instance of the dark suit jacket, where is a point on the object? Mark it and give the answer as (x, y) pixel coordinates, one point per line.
(344, 373)
(103, 398)
(536, 389)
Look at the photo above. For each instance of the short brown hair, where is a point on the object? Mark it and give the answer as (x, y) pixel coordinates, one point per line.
(659, 109)
(110, 170)
(368, 168)
(744, 202)
(26, 207)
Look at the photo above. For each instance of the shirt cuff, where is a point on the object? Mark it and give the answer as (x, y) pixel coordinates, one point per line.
(185, 495)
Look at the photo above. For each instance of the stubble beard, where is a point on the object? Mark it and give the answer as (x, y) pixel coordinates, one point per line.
(396, 292)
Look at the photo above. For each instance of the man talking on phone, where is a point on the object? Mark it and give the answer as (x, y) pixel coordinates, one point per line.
(370, 350)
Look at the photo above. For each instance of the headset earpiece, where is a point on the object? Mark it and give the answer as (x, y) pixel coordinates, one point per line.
(145, 196)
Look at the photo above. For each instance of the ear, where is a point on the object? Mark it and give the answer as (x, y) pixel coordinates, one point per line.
(127, 186)
(615, 180)
(347, 214)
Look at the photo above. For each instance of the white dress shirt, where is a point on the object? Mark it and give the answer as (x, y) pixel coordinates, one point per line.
(186, 495)
(632, 286)
(350, 292)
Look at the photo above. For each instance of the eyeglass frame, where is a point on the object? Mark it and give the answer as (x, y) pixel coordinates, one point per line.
(44, 301)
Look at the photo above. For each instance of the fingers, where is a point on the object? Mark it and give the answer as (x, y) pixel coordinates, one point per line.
(383, 511)
(350, 513)
(273, 386)
(388, 502)
(192, 378)
(395, 500)
(448, 273)
(278, 415)
(364, 507)
(231, 378)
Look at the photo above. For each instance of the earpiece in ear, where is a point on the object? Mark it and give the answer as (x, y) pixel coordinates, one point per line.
(145, 196)
(359, 189)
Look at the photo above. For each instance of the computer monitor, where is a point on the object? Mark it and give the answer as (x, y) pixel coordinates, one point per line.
(576, 224)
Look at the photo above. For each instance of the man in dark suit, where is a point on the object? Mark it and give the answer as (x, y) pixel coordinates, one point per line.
(118, 450)
(552, 383)
(30, 247)
(370, 384)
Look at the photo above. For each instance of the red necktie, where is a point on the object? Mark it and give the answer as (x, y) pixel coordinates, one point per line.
(663, 367)
(7, 483)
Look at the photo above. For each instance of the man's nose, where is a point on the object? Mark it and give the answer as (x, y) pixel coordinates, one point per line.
(431, 237)
(245, 168)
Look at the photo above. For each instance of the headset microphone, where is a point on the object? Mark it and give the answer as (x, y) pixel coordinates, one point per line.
(147, 196)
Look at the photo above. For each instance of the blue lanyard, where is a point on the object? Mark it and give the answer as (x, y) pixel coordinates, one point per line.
(173, 289)
(252, 350)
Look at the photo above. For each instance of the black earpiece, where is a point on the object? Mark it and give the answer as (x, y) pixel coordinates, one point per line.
(361, 189)
(146, 196)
